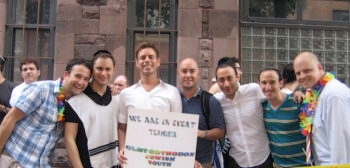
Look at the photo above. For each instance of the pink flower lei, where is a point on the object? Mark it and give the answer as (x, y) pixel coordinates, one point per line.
(308, 108)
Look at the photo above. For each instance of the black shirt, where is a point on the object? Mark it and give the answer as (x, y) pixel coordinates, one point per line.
(103, 100)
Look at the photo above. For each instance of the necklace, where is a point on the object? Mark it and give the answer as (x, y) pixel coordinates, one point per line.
(60, 103)
(308, 108)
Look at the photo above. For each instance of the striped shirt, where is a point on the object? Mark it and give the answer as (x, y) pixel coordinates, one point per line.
(34, 137)
(282, 126)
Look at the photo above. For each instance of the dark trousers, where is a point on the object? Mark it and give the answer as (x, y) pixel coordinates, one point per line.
(229, 162)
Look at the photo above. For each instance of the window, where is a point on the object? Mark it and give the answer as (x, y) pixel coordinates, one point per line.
(323, 12)
(155, 21)
(339, 15)
(271, 39)
(30, 31)
(272, 8)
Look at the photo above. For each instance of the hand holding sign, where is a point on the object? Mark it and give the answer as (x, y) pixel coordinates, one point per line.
(161, 139)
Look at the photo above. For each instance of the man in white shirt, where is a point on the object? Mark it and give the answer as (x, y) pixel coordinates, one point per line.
(330, 132)
(150, 93)
(244, 120)
(30, 72)
(214, 88)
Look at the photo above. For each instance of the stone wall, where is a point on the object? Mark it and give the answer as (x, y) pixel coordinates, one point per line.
(85, 26)
(208, 30)
(82, 28)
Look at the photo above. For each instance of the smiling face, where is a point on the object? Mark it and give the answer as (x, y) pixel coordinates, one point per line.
(147, 62)
(227, 80)
(103, 69)
(270, 83)
(76, 81)
(188, 74)
(308, 69)
(29, 73)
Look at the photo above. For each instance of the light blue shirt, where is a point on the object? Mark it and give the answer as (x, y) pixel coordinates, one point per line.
(331, 128)
(34, 137)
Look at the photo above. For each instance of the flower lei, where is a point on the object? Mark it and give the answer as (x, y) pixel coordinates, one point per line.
(60, 103)
(308, 108)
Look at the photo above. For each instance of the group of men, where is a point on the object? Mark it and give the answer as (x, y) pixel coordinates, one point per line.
(260, 122)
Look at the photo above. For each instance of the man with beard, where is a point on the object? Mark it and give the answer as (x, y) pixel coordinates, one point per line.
(244, 120)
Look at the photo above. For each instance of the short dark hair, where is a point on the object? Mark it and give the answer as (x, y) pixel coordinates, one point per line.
(29, 60)
(271, 69)
(228, 60)
(146, 45)
(224, 65)
(102, 54)
(78, 61)
(288, 73)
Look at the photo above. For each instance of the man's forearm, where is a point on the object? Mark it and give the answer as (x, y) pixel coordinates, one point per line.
(6, 129)
(212, 134)
(121, 135)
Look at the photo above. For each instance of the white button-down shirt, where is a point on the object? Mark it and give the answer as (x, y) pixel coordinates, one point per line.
(163, 97)
(331, 128)
(245, 126)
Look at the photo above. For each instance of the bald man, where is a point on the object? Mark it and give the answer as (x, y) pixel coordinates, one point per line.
(212, 125)
(330, 132)
(121, 82)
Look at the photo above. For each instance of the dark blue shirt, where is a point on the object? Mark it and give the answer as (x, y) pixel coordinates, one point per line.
(205, 148)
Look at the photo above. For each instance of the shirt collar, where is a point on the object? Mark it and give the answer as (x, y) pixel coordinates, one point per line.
(57, 85)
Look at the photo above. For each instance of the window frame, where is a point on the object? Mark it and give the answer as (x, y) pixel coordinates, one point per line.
(11, 27)
(130, 41)
(245, 18)
(298, 23)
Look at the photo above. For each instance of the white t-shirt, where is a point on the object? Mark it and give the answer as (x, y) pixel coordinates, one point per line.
(16, 92)
(163, 97)
(245, 126)
(286, 91)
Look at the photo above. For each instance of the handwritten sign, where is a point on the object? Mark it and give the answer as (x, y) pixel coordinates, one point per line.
(161, 139)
